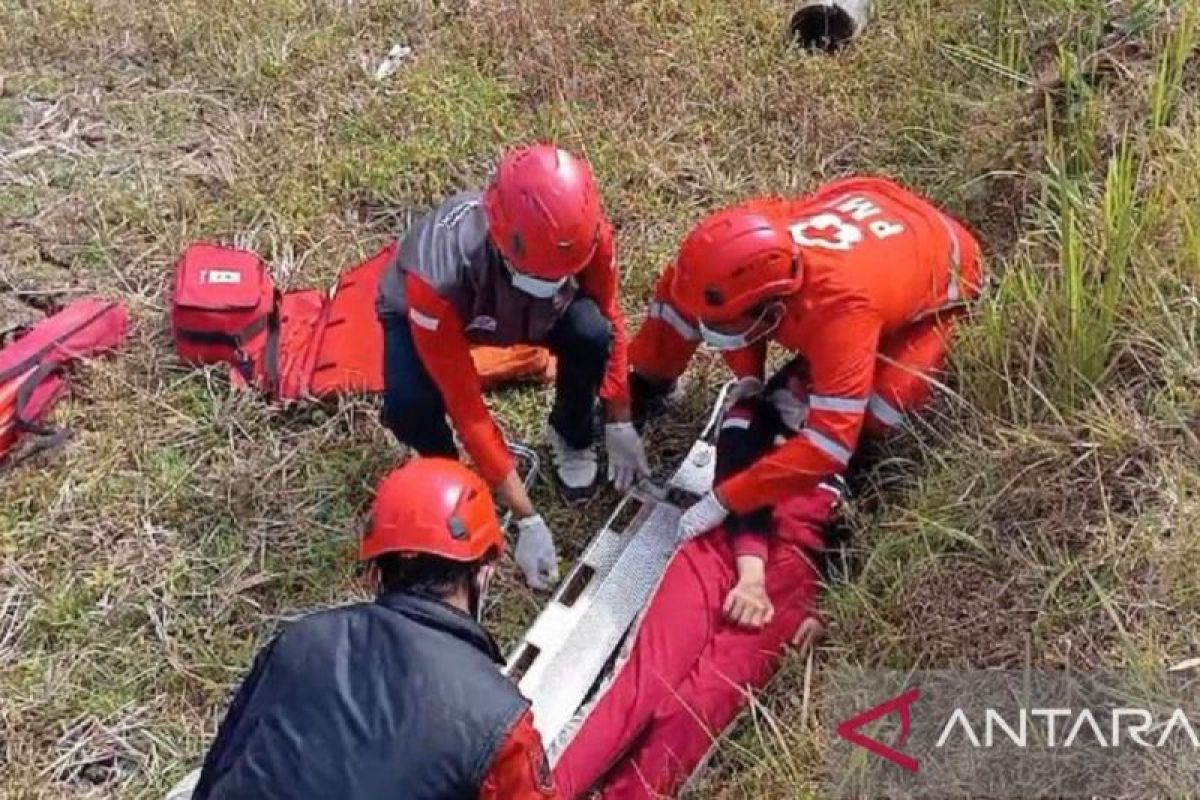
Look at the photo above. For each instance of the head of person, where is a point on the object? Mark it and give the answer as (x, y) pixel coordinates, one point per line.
(434, 532)
(734, 273)
(544, 216)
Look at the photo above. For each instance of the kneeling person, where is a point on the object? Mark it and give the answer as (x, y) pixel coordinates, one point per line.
(529, 260)
(401, 697)
(863, 281)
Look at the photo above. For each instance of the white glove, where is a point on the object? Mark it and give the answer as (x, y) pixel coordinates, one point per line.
(706, 514)
(743, 389)
(792, 410)
(535, 553)
(626, 455)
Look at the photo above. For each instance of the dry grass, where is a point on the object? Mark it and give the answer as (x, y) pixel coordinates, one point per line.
(1049, 515)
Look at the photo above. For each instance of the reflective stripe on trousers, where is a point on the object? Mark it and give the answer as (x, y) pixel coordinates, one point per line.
(885, 412)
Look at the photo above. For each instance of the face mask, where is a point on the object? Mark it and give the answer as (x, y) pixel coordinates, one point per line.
(767, 322)
(479, 590)
(540, 288)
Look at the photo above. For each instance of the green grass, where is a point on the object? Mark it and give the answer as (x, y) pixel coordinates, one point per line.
(1048, 512)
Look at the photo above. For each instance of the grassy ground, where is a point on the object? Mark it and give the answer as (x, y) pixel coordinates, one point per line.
(1047, 515)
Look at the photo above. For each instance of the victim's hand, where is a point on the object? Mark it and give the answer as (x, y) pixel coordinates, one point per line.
(748, 604)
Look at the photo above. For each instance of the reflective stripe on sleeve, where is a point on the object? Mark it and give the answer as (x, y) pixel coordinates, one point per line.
(735, 422)
(828, 446)
(423, 320)
(848, 405)
(663, 311)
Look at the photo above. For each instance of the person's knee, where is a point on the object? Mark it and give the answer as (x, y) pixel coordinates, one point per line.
(587, 334)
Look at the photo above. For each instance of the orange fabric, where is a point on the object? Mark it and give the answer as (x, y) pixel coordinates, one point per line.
(520, 770)
(877, 260)
(350, 358)
(499, 365)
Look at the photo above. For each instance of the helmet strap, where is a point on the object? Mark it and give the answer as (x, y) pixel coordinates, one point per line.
(478, 590)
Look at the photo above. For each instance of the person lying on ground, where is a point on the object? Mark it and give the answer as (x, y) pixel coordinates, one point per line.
(716, 630)
(400, 697)
(528, 260)
(864, 280)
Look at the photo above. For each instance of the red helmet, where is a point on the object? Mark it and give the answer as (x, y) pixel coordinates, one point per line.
(433, 506)
(543, 211)
(734, 261)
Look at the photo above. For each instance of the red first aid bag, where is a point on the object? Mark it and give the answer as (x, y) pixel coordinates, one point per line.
(32, 367)
(223, 298)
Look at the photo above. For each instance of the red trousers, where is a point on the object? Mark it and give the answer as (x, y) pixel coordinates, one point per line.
(690, 673)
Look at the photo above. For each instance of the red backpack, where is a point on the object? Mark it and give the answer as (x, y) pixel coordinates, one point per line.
(223, 298)
(32, 367)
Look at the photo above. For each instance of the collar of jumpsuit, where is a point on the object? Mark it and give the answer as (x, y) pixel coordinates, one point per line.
(763, 325)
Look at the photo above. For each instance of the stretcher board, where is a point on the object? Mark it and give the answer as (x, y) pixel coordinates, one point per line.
(566, 650)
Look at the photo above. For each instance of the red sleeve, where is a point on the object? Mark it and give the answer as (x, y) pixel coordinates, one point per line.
(841, 358)
(520, 770)
(667, 339)
(601, 282)
(751, 543)
(446, 354)
(749, 362)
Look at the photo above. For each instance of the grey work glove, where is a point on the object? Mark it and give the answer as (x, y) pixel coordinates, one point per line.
(704, 515)
(535, 553)
(626, 455)
(743, 389)
(793, 411)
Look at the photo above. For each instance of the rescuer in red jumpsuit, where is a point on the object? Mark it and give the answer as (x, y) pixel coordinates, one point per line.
(863, 282)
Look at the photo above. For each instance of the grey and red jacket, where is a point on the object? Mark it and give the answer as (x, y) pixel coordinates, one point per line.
(452, 285)
(400, 698)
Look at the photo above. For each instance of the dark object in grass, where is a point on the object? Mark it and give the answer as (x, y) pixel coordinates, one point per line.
(828, 25)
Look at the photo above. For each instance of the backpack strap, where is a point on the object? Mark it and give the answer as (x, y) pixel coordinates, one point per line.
(26, 422)
(271, 357)
(43, 437)
(246, 364)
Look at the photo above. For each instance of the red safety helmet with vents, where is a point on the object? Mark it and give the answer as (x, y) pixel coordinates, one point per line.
(433, 506)
(733, 262)
(543, 211)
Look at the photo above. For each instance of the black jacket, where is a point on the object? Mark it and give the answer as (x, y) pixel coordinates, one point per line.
(400, 698)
